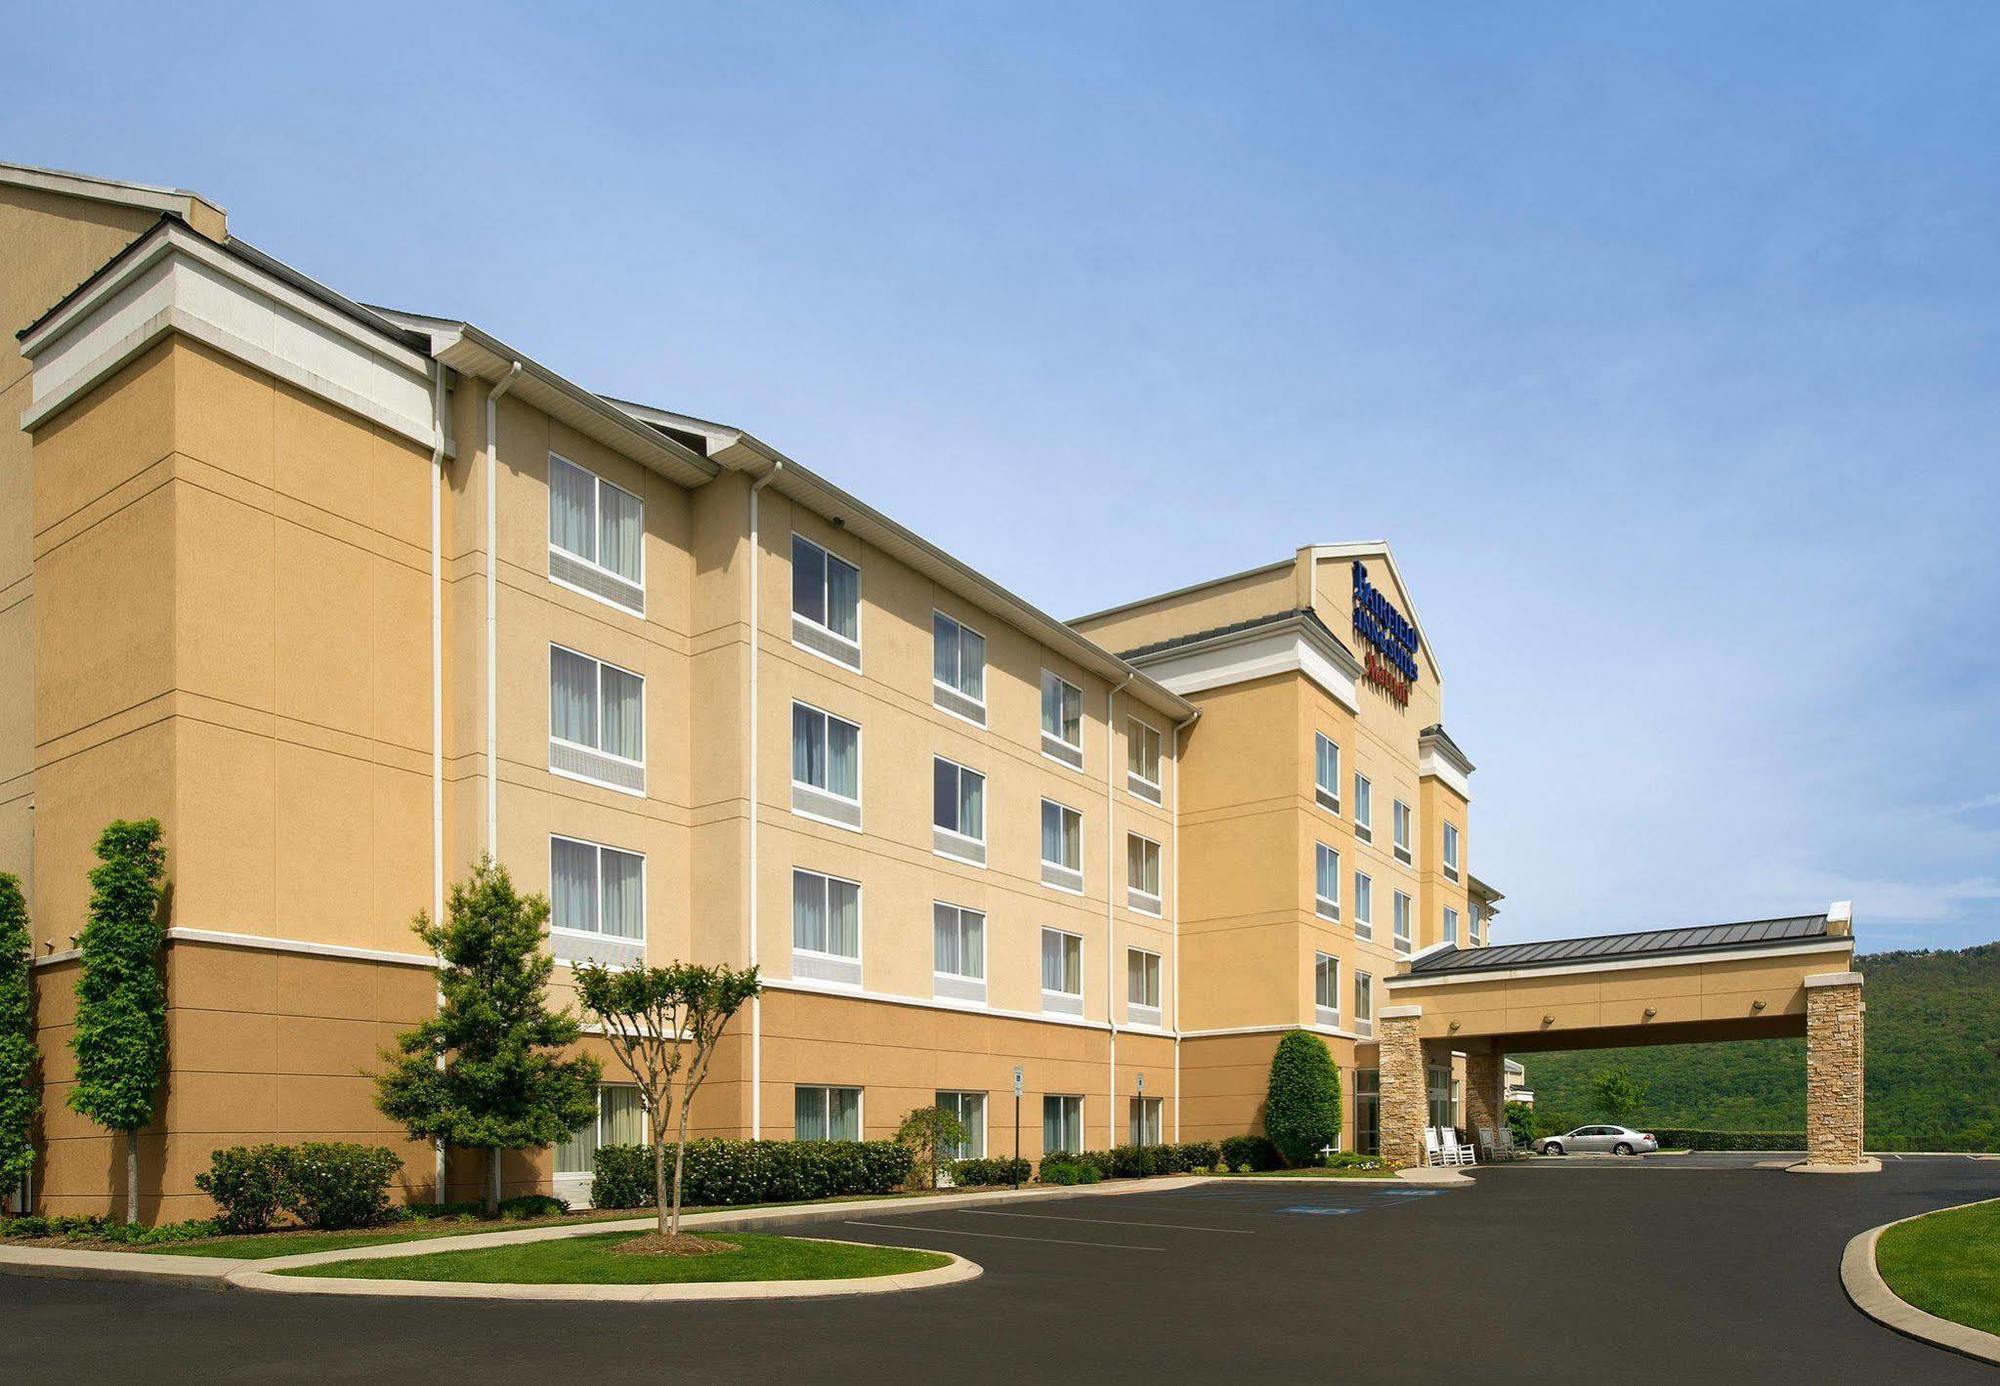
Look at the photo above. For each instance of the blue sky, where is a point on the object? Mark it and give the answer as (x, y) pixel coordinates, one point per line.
(1659, 341)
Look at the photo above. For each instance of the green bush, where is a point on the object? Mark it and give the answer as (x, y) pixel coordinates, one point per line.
(249, 1185)
(1302, 1102)
(334, 1184)
(97, 1229)
(1685, 1138)
(533, 1206)
(1065, 1168)
(1253, 1152)
(1191, 1157)
(725, 1173)
(975, 1174)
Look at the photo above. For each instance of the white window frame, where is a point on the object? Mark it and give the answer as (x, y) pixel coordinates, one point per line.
(1042, 943)
(1064, 1097)
(1364, 1003)
(957, 1109)
(1325, 795)
(597, 530)
(825, 878)
(1402, 822)
(1326, 907)
(563, 741)
(1138, 784)
(1364, 807)
(1158, 975)
(1364, 905)
(1140, 1114)
(1399, 922)
(597, 1121)
(1063, 866)
(827, 719)
(1326, 968)
(599, 848)
(1451, 843)
(1451, 926)
(1057, 737)
(1137, 898)
(822, 626)
(953, 835)
(1475, 920)
(961, 911)
(860, 1109)
(938, 686)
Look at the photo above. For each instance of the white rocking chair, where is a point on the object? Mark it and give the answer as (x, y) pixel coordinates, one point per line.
(1433, 1148)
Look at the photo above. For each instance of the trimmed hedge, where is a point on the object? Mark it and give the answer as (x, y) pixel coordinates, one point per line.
(978, 1174)
(323, 1184)
(724, 1173)
(1061, 1169)
(99, 1229)
(1256, 1152)
(1685, 1138)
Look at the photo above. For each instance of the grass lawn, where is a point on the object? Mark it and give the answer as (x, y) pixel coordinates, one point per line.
(1310, 1172)
(1947, 1264)
(591, 1261)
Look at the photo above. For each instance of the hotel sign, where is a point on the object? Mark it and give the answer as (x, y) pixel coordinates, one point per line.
(1393, 642)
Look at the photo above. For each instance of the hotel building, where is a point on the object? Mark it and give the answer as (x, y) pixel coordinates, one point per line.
(348, 596)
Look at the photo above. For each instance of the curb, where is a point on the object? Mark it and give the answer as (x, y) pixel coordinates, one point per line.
(1431, 1174)
(1870, 1293)
(1868, 1165)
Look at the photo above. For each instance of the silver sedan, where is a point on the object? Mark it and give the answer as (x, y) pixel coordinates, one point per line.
(1599, 1140)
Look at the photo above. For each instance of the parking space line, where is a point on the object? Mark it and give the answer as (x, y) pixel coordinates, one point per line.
(1000, 1236)
(1114, 1222)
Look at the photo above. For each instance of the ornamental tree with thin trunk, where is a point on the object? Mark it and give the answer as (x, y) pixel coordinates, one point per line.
(486, 1071)
(120, 1039)
(663, 1024)
(20, 1095)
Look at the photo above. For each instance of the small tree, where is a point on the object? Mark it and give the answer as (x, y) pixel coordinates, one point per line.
(1616, 1093)
(927, 1132)
(1302, 1105)
(485, 1071)
(120, 1038)
(1521, 1121)
(20, 1095)
(663, 1024)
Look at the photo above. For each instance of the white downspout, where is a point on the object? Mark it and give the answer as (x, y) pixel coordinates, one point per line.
(1110, 912)
(437, 684)
(750, 799)
(492, 612)
(1174, 846)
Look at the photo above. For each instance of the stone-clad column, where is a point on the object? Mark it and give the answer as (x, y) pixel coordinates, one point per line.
(1485, 1090)
(1404, 1103)
(1833, 1069)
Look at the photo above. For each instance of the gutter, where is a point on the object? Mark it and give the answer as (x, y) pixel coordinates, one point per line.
(750, 721)
(1175, 848)
(1110, 896)
(437, 694)
(493, 395)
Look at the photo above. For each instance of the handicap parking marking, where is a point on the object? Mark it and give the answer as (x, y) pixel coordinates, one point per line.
(1320, 1210)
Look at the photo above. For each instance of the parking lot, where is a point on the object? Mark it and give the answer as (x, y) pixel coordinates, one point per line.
(1640, 1271)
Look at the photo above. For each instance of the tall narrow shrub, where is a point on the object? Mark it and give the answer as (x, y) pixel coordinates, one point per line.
(486, 1071)
(121, 995)
(20, 1094)
(1302, 1105)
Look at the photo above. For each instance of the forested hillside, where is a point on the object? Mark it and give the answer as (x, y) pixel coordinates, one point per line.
(1933, 1064)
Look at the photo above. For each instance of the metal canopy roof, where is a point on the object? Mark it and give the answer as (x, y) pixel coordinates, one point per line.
(1665, 944)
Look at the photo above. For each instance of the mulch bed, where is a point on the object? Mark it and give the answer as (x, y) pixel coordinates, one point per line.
(659, 1244)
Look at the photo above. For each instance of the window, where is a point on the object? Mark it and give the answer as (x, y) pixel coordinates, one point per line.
(826, 1114)
(826, 603)
(595, 536)
(1062, 720)
(1062, 972)
(1326, 881)
(597, 721)
(1142, 760)
(1364, 1004)
(1142, 873)
(826, 766)
(1144, 1121)
(826, 915)
(1451, 926)
(1475, 924)
(1451, 851)
(1326, 773)
(970, 1109)
(1364, 809)
(1368, 1111)
(958, 668)
(620, 1120)
(1326, 989)
(1400, 908)
(958, 809)
(596, 890)
(1142, 986)
(1400, 831)
(960, 937)
(1437, 1088)
(1062, 846)
(1062, 1125)
(1364, 906)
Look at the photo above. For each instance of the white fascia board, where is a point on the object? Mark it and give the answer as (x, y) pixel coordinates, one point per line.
(1513, 974)
(1434, 762)
(1283, 647)
(1379, 548)
(181, 282)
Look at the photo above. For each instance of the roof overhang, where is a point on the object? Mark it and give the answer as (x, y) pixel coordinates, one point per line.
(1287, 642)
(1439, 758)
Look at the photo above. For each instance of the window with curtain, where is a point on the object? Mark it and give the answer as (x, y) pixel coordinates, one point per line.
(1142, 870)
(596, 705)
(1142, 752)
(1400, 830)
(1326, 882)
(595, 521)
(1451, 926)
(826, 915)
(959, 937)
(1400, 908)
(596, 890)
(1326, 983)
(1145, 1120)
(1364, 906)
(1326, 772)
(826, 752)
(826, 589)
(958, 799)
(958, 655)
(620, 1120)
(1062, 1125)
(1364, 998)
(1062, 836)
(826, 1114)
(1062, 709)
(1451, 850)
(1062, 963)
(1142, 978)
(970, 1109)
(1364, 809)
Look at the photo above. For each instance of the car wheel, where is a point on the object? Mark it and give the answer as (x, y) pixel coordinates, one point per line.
(1553, 1148)
(1622, 1148)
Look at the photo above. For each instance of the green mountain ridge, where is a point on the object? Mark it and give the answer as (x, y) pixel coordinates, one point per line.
(1932, 1064)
